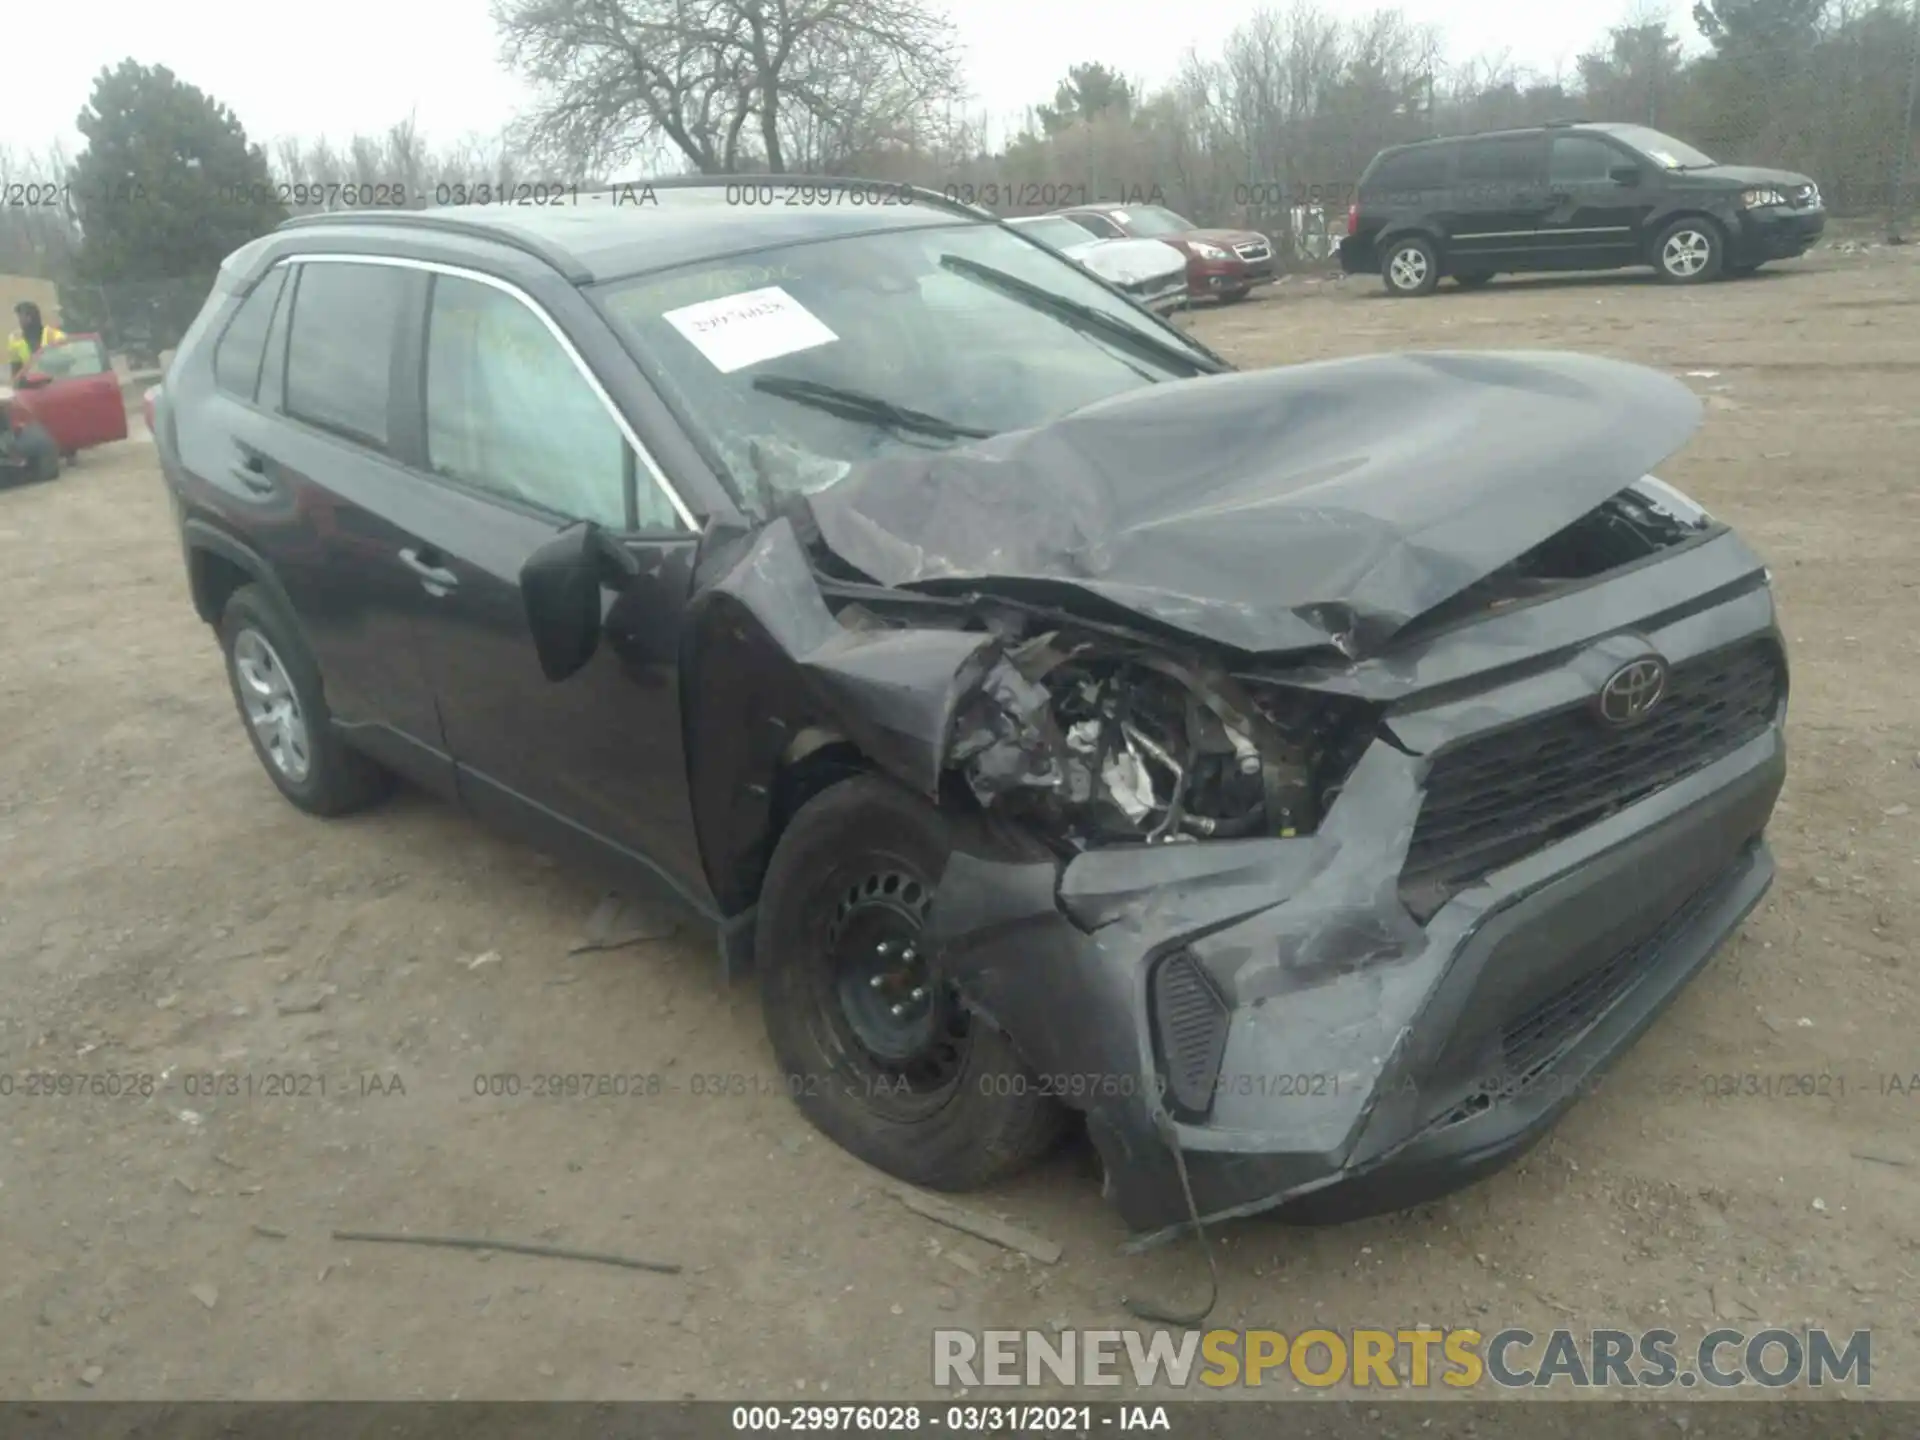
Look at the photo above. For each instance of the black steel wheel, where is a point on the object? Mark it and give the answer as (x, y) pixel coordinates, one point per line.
(876, 1046)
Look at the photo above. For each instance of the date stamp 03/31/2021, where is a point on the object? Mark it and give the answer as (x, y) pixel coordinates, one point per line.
(195, 1085)
(348, 195)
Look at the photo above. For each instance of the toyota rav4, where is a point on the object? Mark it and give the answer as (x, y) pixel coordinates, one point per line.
(1310, 778)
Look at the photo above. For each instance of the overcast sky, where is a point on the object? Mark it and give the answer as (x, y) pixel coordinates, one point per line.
(360, 65)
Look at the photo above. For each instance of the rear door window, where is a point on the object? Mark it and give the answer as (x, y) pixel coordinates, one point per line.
(340, 363)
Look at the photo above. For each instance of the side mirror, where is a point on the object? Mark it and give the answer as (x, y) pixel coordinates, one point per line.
(560, 587)
(32, 380)
(1625, 174)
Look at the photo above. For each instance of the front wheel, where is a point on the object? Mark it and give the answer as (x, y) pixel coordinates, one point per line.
(876, 1047)
(1411, 267)
(1689, 252)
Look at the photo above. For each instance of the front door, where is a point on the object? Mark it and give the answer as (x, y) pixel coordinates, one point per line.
(79, 401)
(519, 445)
(1596, 215)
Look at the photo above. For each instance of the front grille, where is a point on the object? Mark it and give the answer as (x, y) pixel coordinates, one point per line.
(1494, 799)
(1254, 250)
(1191, 1020)
(1534, 1042)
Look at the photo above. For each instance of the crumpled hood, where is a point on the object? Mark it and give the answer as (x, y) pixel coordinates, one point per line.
(1275, 510)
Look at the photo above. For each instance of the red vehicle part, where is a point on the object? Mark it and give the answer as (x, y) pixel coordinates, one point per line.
(71, 392)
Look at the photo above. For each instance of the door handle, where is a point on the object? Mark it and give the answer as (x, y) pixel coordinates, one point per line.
(251, 473)
(438, 579)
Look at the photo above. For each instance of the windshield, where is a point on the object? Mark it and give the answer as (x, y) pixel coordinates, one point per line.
(1054, 230)
(1665, 151)
(793, 364)
(1154, 221)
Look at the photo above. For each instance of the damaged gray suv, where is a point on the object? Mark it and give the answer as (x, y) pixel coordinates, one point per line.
(1309, 780)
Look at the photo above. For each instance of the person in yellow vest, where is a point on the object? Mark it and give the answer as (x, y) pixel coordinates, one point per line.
(25, 342)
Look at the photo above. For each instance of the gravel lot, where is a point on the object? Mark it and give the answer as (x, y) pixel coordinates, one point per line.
(164, 912)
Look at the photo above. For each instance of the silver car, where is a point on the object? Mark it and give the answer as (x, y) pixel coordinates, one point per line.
(1151, 271)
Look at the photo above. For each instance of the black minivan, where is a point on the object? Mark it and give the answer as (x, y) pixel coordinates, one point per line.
(1570, 196)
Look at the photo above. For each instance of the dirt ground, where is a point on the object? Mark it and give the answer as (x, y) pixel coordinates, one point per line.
(164, 912)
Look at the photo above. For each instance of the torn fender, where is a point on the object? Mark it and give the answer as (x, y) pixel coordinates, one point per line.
(766, 659)
(1275, 510)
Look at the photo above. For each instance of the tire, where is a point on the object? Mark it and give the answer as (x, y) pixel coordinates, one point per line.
(1473, 282)
(1234, 297)
(1689, 252)
(43, 455)
(844, 900)
(1411, 267)
(268, 664)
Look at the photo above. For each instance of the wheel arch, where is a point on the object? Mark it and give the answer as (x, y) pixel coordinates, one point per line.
(219, 564)
(1656, 231)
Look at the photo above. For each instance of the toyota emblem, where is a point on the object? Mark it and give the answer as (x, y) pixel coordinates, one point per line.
(1632, 691)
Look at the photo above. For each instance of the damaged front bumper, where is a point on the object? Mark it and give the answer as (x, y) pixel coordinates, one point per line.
(1273, 1010)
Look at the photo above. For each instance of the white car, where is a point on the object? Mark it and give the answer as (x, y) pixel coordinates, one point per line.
(1151, 271)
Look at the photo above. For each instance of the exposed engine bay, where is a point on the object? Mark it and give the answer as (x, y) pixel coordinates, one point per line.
(1093, 743)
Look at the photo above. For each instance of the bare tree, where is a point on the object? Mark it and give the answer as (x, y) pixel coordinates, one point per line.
(723, 82)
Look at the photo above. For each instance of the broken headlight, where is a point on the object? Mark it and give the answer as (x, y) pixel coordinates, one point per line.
(1096, 744)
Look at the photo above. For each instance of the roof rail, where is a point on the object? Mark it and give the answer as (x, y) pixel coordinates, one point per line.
(449, 224)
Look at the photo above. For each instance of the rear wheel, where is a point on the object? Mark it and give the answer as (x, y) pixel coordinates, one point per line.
(877, 1049)
(1689, 252)
(1411, 267)
(277, 689)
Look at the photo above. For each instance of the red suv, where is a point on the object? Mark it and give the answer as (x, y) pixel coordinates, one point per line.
(1223, 264)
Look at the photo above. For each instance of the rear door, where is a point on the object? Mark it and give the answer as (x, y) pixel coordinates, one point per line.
(1499, 202)
(80, 403)
(517, 443)
(307, 465)
(1596, 220)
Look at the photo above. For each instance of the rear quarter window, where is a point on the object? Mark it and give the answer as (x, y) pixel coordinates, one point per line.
(1428, 168)
(236, 357)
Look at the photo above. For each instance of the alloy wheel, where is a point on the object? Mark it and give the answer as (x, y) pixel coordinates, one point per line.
(1686, 253)
(272, 706)
(1408, 269)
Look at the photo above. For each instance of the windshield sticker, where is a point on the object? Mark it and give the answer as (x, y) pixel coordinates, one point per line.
(736, 331)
